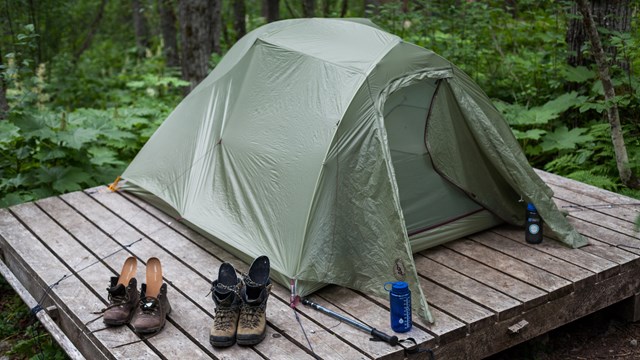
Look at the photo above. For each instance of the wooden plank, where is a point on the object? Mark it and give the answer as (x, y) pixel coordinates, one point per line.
(192, 311)
(445, 327)
(542, 318)
(37, 269)
(473, 315)
(43, 316)
(586, 224)
(578, 276)
(325, 336)
(554, 285)
(503, 305)
(530, 296)
(369, 313)
(619, 218)
(97, 275)
(602, 267)
(280, 317)
(599, 194)
(629, 309)
(185, 315)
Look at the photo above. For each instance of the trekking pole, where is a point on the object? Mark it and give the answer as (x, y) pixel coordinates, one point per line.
(390, 339)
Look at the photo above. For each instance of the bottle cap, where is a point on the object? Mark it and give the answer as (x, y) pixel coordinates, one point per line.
(531, 207)
(400, 287)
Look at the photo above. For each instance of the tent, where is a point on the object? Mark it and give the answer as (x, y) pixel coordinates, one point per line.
(338, 150)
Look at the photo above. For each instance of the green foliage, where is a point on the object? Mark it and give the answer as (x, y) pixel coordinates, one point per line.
(30, 340)
(81, 127)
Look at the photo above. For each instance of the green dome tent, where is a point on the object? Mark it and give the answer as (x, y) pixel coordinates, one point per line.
(338, 150)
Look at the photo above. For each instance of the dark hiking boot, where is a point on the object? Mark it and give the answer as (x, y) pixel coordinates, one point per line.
(225, 292)
(153, 308)
(123, 295)
(122, 302)
(151, 313)
(252, 324)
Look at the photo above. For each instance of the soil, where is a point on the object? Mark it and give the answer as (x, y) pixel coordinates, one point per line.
(601, 335)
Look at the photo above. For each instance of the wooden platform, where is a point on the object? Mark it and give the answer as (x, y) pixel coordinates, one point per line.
(488, 291)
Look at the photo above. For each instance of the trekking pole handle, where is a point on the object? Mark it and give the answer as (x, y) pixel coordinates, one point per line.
(390, 339)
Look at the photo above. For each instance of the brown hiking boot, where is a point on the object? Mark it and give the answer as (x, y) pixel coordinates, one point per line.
(153, 308)
(225, 293)
(123, 295)
(122, 302)
(252, 324)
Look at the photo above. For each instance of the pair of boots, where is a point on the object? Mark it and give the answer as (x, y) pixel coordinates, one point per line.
(240, 305)
(146, 310)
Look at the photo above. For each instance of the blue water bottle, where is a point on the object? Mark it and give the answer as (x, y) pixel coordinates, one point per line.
(400, 303)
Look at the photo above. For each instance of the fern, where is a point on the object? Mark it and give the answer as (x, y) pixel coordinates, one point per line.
(586, 176)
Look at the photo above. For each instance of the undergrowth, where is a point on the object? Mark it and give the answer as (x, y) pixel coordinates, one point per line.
(21, 335)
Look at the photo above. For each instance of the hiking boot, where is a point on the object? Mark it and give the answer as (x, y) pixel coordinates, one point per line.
(151, 313)
(122, 302)
(252, 324)
(153, 308)
(123, 295)
(225, 293)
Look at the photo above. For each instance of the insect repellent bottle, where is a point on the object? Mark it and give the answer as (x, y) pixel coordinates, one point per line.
(533, 231)
(400, 304)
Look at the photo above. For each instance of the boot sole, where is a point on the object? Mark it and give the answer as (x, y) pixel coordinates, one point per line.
(250, 340)
(221, 343)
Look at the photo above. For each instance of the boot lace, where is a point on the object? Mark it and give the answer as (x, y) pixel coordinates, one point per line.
(222, 320)
(149, 306)
(250, 315)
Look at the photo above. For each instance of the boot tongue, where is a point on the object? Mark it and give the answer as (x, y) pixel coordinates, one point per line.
(223, 293)
(254, 294)
(117, 290)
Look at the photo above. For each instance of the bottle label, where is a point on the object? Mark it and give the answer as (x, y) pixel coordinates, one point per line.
(534, 229)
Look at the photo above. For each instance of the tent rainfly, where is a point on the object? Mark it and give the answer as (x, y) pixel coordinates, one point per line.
(338, 150)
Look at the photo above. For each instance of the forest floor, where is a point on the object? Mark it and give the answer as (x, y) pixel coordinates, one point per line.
(601, 335)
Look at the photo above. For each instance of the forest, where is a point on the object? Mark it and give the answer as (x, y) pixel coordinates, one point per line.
(84, 83)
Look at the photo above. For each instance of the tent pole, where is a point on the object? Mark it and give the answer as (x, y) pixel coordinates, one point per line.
(390, 339)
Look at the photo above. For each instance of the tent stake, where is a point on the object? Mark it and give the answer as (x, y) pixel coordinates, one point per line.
(391, 340)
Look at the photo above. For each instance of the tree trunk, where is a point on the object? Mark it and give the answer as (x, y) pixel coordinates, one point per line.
(196, 39)
(239, 13)
(627, 176)
(215, 16)
(271, 10)
(308, 8)
(92, 30)
(4, 104)
(140, 27)
(613, 15)
(168, 30)
(326, 7)
(345, 8)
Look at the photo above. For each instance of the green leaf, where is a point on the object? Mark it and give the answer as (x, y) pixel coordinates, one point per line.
(564, 102)
(63, 179)
(577, 74)
(8, 131)
(14, 199)
(103, 155)
(78, 137)
(48, 155)
(533, 134)
(564, 139)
